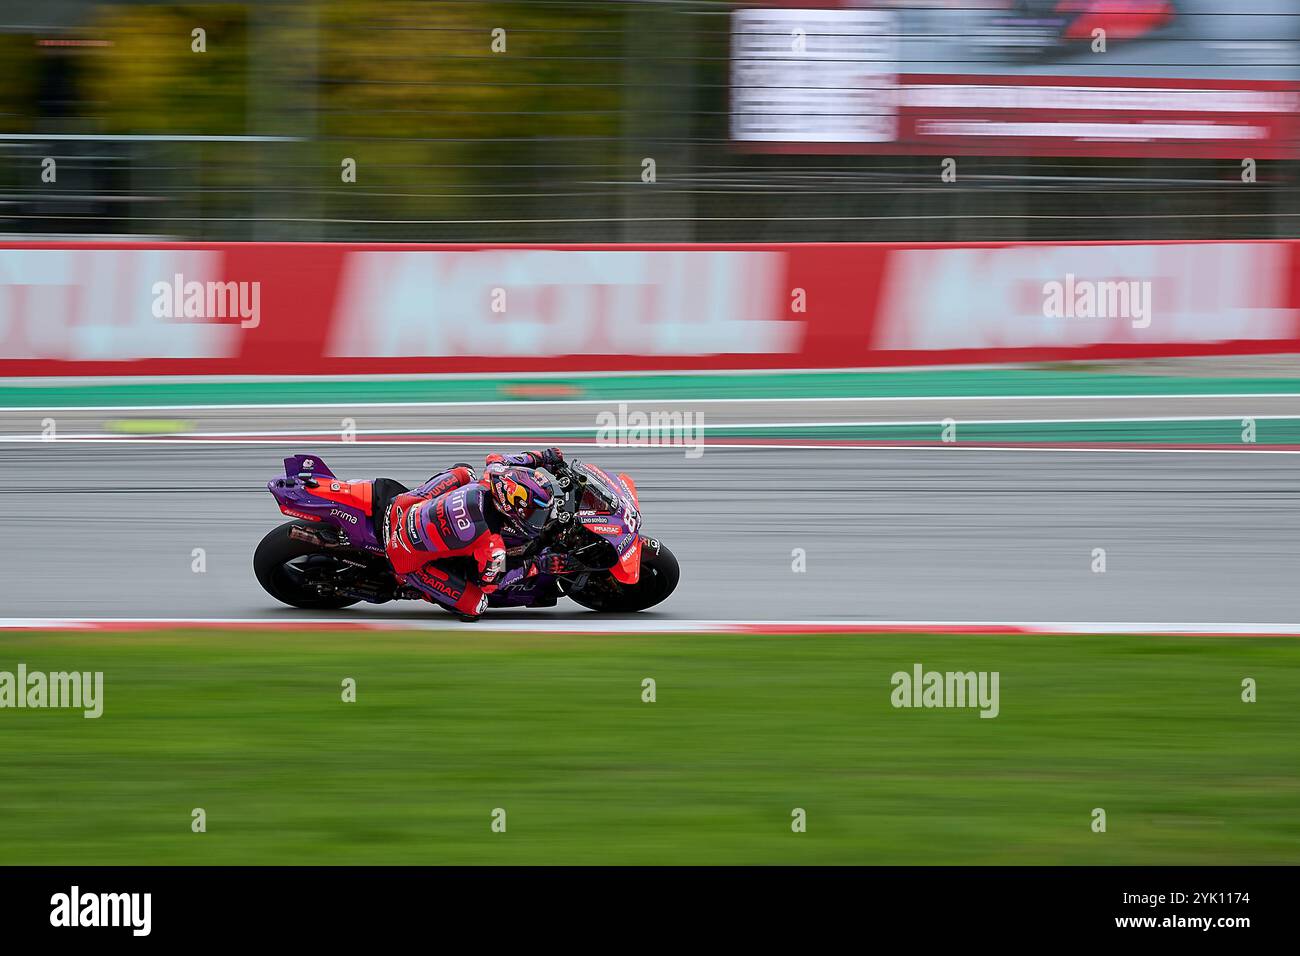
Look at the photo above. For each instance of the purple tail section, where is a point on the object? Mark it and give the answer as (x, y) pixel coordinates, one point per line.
(295, 465)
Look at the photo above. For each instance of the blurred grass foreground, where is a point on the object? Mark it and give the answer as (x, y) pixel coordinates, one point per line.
(448, 727)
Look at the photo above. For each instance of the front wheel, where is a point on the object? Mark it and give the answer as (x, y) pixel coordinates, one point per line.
(285, 567)
(659, 575)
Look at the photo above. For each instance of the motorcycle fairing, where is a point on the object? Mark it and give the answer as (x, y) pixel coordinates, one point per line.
(347, 505)
(618, 527)
(354, 494)
(628, 569)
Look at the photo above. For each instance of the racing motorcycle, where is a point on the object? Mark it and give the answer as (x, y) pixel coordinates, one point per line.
(331, 555)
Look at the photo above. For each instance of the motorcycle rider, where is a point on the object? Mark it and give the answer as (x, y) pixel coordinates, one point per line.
(458, 515)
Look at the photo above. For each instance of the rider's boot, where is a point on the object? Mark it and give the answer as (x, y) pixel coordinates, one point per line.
(463, 598)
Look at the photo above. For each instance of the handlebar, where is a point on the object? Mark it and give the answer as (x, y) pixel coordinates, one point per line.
(570, 482)
(574, 482)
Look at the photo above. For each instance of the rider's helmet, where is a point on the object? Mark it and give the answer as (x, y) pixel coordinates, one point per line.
(528, 498)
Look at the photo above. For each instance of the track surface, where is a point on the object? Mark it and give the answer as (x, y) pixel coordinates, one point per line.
(96, 530)
(540, 418)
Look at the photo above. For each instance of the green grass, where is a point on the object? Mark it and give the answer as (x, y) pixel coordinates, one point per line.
(449, 725)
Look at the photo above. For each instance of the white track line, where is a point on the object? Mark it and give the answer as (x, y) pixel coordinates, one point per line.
(702, 426)
(678, 447)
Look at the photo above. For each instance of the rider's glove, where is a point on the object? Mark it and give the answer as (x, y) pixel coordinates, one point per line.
(546, 458)
(494, 567)
(555, 563)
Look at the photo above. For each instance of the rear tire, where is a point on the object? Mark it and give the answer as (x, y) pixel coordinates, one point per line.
(275, 551)
(659, 575)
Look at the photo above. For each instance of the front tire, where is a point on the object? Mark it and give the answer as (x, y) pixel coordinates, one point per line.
(659, 575)
(274, 552)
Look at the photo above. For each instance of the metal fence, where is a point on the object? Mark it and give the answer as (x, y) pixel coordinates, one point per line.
(536, 133)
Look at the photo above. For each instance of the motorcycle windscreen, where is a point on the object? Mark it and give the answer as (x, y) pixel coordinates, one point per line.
(628, 569)
(631, 487)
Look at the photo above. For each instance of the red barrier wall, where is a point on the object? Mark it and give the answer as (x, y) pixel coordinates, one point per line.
(307, 309)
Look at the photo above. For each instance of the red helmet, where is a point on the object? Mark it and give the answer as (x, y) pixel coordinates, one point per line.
(527, 497)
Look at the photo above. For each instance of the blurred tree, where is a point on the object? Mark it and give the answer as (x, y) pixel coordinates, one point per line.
(461, 131)
(150, 81)
(19, 81)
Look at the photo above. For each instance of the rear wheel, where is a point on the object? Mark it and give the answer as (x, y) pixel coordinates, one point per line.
(285, 567)
(659, 575)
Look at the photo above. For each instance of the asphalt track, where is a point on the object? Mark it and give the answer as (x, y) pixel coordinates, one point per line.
(515, 419)
(955, 534)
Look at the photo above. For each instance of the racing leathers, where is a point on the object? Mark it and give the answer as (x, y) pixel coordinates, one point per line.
(453, 516)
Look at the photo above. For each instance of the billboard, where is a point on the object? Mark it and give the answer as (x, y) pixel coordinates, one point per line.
(1158, 78)
(85, 309)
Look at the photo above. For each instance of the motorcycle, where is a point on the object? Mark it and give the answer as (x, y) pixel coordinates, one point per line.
(331, 555)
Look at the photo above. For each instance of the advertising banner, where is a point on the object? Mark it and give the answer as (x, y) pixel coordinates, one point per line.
(1137, 78)
(320, 309)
